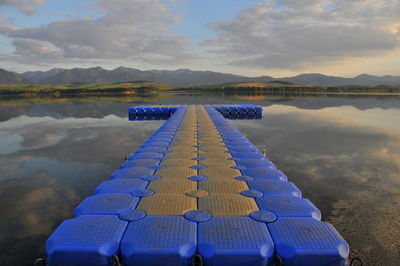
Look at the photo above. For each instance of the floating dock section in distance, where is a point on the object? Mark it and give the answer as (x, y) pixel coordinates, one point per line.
(197, 192)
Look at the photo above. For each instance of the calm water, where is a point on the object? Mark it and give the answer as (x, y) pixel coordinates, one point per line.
(342, 152)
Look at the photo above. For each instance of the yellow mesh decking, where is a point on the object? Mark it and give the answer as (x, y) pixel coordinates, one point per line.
(181, 155)
(175, 194)
(176, 172)
(211, 154)
(172, 185)
(197, 193)
(223, 186)
(220, 172)
(213, 149)
(184, 136)
(227, 204)
(216, 162)
(211, 142)
(181, 148)
(167, 204)
(187, 142)
(178, 163)
(184, 132)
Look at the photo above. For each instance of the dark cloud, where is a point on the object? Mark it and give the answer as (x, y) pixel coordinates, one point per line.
(297, 34)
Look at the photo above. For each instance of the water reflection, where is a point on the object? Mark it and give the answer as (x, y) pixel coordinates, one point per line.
(346, 161)
(343, 153)
(48, 166)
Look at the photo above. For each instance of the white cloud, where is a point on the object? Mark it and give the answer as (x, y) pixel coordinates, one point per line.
(136, 31)
(302, 33)
(26, 6)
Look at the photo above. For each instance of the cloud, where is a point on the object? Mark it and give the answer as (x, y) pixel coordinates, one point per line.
(140, 30)
(5, 21)
(297, 34)
(26, 6)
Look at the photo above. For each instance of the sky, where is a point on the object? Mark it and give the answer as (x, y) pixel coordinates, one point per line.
(246, 37)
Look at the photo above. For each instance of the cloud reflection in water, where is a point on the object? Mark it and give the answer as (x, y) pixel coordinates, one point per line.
(347, 161)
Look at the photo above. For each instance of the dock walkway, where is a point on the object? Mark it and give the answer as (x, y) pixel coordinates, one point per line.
(197, 192)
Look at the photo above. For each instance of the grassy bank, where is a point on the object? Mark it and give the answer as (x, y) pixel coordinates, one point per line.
(85, 89)
(285, 87)
(143, 87)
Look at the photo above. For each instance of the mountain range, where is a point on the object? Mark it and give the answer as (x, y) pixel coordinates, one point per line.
(181, 77)
(7, 77)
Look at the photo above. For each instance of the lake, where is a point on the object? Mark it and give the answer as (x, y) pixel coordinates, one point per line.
(342, 151)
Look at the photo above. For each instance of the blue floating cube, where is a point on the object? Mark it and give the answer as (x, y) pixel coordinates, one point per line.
(132, 172)
(233, 110)
(107, 204)
(159, 240)
(264, 173)
(233, 136)
(146, 155)
(225, 110)
(140, 111)
(248, 107)
(132, 111)
(132, 117)
(157, 111)
(86, 240)
(140, 163)
(239, 149)
(271, 186)
(242, 145)
(165, 110)
(305, 241)
(121, 186)
(155, 143)
(234, 241)
(162, 138)
(160, 150)
(255, 163)
(157, 139)
(288, 206)
(239, 140)
(250, 155)
(148, 117)
(241, 109)
(149, 111)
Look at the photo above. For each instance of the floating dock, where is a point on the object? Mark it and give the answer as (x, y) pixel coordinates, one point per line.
(196, 193)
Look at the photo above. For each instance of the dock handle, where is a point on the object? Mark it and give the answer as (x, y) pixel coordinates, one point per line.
(197, 260)
(115, 261)
(277, 260)
(39, 261)
(354, 260)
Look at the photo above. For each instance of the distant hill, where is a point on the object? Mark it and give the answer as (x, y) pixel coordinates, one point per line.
(187, 78)
(331, 81)
(7, 77)
(37, 76)
(180, 77)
